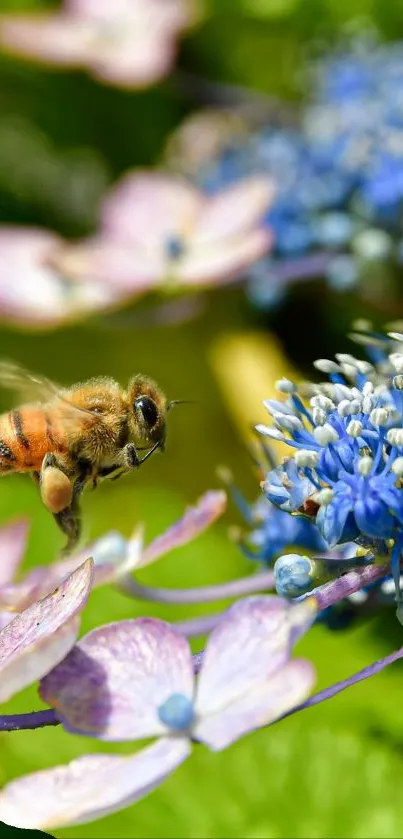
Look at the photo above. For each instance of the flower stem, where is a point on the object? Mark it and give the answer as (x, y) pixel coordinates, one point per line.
(27, 722)
(198, 626)
(349, 583)
(338, 687)
(202, 594)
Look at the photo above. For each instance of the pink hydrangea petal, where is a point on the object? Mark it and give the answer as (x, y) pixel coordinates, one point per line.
(13, 542)
(196, 519)
(146, 208)
(235, 210)
(89, 787)
(271, 697)
(112, 264)
(38, 638)
(224, 262)
(251, 643)
(114, 680)
(139, 66)
(38, 295)
(57, 38)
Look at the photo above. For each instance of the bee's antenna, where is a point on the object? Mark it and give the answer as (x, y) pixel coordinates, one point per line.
(174, 402)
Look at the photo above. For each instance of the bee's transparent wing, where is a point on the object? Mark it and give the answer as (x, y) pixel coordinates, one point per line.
(32, 387)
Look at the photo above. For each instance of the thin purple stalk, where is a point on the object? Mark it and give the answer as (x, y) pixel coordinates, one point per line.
(338, 687)
(203, 594)
(198, 626)
(27, 722)
(349, 583)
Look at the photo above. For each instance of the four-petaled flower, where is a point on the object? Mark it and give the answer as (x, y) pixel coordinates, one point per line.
(158, 230)
(135, 679)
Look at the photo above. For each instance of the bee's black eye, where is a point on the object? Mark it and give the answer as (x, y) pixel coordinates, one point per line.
(148, 410)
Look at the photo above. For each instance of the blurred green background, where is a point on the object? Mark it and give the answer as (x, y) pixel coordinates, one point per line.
(335, 770)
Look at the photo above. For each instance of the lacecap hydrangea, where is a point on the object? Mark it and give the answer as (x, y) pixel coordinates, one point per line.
(345, 467)
(338, 171)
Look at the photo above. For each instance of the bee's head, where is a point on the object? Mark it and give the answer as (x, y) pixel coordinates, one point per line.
(149, 408)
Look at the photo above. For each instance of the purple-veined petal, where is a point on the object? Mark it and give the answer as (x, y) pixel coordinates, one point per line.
(234, 210)
(249, 648)
(267, 700)
(89, 787)
(196, 519)
(38, 638)
(13, 541)
(114, 680)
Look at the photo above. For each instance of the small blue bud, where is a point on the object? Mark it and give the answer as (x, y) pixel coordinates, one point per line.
(294, 575)
(110, 548)
(177, 712)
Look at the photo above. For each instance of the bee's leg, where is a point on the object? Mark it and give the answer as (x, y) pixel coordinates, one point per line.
(69, 522)
(69, 518)
(130, 458)
(55, 485)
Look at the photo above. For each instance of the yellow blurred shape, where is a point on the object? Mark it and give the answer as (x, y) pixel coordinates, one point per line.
(246, 366)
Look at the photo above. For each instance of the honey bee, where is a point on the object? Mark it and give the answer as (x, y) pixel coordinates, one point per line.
(68, 437)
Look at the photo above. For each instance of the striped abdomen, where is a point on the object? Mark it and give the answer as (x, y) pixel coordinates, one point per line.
(26, 436)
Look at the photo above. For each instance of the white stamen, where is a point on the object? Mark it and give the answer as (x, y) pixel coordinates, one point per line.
(397, 466)
(368, 389)
(396, 359)
(306, 458)
(287, 422)
(365, 465)
(367, 404)
(355, 428)
(285, 386)
(319, 416)
(325, 434)
(323, 497)
(355, 406)
(398, 382)
(322, 402)
(396, 336)
(395, 436)
(379, 416)
(273, 433)
(349, 370)
(344, 408)
(346, 358)
(325, 365)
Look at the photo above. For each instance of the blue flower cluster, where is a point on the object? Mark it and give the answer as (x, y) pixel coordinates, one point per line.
(346, 471)
(339, 173)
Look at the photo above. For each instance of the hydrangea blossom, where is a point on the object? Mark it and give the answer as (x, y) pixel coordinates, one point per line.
(92, 692)
(337, 166)
(158, 231)
(346, 471)
(127, 43)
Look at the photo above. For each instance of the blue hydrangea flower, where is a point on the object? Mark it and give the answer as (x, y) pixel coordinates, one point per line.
(347, 435)
(339, 172)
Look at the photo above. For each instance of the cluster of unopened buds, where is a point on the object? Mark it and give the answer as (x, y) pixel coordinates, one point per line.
(338, 497)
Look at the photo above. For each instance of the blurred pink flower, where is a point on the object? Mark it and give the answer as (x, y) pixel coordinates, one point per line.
(159, 230)
(32, 293)
(128, 43)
